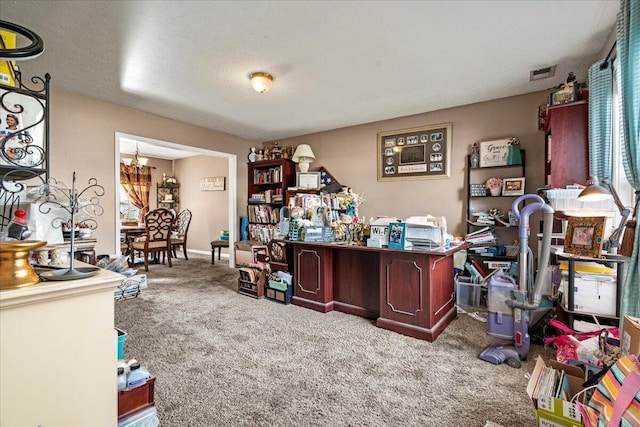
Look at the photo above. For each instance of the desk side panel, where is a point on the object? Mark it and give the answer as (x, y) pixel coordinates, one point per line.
(313, 284)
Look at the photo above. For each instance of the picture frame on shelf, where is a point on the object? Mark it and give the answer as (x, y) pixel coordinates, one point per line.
(416, 153)
(564, 95)
(494, 153)
(397, 235)
(513, 186)
(584, 236)
(308, 180)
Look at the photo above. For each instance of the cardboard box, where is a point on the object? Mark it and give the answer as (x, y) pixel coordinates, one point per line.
(551, 411)
(554, 412)
(592, 293)
(246, 254)
(630, 342)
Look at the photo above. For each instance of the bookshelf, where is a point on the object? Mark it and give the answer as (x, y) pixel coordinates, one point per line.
(492, 238)
(268, 181)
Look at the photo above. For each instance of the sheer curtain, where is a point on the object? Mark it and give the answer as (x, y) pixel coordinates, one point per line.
(628, 46)
(137, 184)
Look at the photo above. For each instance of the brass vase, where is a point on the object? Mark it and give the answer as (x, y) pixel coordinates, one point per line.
(15, 269)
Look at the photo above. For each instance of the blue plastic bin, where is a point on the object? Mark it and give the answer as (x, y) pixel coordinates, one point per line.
(122, 336)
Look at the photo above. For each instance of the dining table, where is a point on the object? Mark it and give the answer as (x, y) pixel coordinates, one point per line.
(130, 232)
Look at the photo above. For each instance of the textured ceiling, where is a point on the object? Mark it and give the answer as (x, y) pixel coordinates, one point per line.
(335, 64)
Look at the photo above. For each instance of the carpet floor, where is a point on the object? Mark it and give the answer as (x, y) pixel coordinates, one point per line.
(225, 359)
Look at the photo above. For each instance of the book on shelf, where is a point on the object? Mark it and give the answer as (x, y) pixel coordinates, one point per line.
(478, 267)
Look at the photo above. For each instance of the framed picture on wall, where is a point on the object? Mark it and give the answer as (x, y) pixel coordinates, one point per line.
(214, 183)
(416, 153)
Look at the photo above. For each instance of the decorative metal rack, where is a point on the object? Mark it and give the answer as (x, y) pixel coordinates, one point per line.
(82, 207)
(23, 158)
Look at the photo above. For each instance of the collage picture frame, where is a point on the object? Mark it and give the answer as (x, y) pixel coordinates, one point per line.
(416, 153)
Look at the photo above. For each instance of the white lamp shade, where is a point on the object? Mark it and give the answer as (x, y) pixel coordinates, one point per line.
(303, 154)
(143, 161)
(261, 82)
(127, 161)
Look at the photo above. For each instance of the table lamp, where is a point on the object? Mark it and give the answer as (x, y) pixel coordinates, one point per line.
(303, 156)
(594, 192)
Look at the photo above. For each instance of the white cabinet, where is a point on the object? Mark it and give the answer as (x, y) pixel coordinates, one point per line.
(58, 350)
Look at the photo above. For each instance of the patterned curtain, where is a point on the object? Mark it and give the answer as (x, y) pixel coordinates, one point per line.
(137, 184)
(600, 119)
(628, 45)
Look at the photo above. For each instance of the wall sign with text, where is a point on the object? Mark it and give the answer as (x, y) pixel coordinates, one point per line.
(214, 183)
(494, 153)
(417, 153)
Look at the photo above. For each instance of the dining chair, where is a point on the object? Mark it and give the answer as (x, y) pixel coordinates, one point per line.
(181, 229)
(157, 240)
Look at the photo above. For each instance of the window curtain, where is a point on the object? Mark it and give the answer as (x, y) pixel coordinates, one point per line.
(137, 184)
(600, 119)
(628, 45)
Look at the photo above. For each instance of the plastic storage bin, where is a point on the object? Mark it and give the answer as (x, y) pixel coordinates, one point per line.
(122, 336)
(468, 292)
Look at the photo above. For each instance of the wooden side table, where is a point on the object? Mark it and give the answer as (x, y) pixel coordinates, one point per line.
(217, 244)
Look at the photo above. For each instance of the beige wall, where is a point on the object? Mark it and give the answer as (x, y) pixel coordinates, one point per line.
(210, 209)
(83, 140)
(350, 154)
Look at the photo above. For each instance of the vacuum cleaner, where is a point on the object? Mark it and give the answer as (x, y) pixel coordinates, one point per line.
(510, 304)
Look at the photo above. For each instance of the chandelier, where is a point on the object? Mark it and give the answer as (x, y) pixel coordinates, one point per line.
(137, 161)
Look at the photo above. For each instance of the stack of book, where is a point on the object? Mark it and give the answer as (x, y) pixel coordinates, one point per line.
(481, 237)
(484, 218)
(552, 382)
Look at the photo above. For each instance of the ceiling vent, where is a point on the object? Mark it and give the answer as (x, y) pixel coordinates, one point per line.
(542, 73)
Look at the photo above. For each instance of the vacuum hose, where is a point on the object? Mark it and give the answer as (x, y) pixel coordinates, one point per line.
(532, 301)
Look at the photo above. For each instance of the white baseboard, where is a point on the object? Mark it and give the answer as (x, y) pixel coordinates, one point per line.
(196, 251)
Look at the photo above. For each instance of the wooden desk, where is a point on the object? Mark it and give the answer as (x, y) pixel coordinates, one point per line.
(406, 291)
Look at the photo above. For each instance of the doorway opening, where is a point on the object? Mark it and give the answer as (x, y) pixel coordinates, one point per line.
(171, 150)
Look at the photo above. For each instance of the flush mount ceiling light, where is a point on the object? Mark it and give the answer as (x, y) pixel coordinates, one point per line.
(261, 81)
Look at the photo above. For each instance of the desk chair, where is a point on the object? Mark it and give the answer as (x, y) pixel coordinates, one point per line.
(181, 229)
(158, 225)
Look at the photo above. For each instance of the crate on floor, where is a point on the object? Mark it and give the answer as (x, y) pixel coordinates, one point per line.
(279, 291)
(252, 282)
(279, 287)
